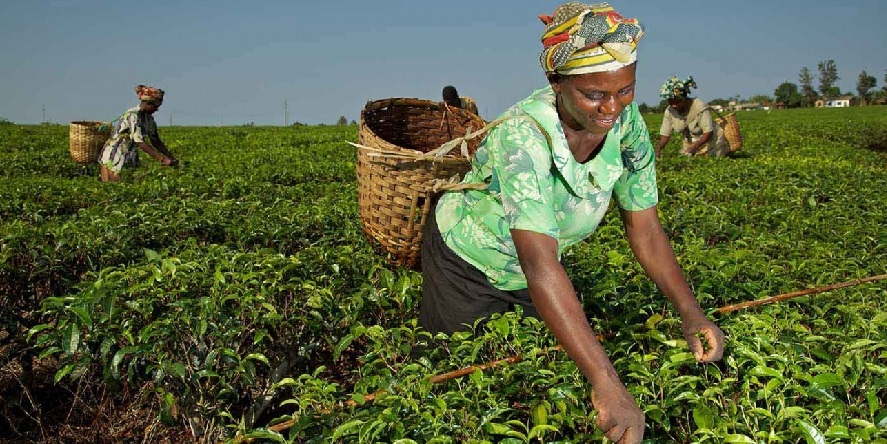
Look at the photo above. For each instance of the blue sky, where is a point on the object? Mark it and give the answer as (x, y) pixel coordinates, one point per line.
(234, 62)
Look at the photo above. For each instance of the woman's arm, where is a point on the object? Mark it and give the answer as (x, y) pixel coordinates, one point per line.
(555, 298)
(700, 142)
(160, 146)
(663, 140)
(653, 250)
(156, 154)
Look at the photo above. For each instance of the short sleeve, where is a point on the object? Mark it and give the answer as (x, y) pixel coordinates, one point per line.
(522, 175)
(665, 129)
(636, 189)
(706, 123)
(128, 126)
(138, 128)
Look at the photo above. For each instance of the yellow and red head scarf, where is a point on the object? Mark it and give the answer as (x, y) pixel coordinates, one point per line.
(581, 38)
(149, 94)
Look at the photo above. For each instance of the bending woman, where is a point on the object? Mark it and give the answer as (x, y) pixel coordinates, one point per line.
(133, 131)
(551, 170)
(692, 118)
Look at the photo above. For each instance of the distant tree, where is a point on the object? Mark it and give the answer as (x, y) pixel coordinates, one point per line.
(833, 92)
(719, 102)
(864, 85)
(808, 94)
(828, 75)
(760, 98)
(788, 94)
(353, 122)
(342, 121)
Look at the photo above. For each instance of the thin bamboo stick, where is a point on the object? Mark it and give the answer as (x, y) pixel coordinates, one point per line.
(443, 377)
(795, 294)
(516, 358)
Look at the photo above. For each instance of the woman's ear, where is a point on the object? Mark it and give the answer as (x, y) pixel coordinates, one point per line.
(554, 79)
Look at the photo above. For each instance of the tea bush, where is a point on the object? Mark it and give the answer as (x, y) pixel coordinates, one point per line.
(239, 295)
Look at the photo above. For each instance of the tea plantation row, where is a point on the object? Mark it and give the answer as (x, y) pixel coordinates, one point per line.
(236, 298)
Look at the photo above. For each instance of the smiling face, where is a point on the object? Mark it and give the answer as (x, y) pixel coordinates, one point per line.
(592, 102)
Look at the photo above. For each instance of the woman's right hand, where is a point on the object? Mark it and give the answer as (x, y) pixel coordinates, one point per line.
(618, 414)
(166, 161)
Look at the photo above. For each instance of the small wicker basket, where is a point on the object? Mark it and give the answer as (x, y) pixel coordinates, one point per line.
(87, 140)
(397, 186)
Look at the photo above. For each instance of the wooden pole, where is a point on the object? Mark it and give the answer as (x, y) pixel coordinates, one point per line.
(516, 358)
(799, 293)
(443, 377)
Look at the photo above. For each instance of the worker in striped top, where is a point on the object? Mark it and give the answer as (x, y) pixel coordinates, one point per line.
(134, 131)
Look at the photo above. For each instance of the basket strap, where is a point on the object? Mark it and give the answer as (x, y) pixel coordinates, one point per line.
(451, 184)
(445, 148)
(107, 125)
(720, 116)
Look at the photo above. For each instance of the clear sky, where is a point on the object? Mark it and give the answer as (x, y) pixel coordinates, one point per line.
(233, 62)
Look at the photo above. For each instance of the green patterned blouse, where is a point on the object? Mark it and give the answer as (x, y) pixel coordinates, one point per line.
(537, 185)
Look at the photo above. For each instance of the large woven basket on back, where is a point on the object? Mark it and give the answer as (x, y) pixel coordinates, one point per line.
(397, 186)
(731, 131)
(87, 140)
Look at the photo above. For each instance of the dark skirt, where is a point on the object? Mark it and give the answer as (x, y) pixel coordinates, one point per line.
(455, 294)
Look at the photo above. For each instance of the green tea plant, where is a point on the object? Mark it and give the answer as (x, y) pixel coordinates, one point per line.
(239, 298)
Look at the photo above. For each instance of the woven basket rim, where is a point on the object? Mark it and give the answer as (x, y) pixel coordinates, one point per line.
(87, 122)
(454, 156)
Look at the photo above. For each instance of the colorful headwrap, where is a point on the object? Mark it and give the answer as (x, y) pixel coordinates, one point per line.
(581, 38)
(149, 94)
(674, 88)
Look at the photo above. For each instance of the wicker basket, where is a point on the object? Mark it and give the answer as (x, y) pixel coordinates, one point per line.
(731, 131)
(397, 188)
(87, 140)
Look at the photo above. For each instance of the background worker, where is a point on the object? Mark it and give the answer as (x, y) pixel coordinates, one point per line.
(692, 118)
(132, 132)
(451, 98)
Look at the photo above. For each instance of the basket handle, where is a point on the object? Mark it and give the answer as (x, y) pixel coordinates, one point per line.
(445, 148)
(453, 183)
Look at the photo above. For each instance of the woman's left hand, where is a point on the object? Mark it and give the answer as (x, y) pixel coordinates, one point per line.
(713, 350)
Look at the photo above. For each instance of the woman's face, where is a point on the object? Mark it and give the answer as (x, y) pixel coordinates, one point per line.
(680, 104)
(151, 107)
(592, 102)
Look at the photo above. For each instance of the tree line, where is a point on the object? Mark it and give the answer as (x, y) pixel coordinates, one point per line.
(805, 93)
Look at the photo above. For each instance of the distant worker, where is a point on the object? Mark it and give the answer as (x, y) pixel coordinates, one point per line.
(692, 118)
(133, 131)
(451, 98)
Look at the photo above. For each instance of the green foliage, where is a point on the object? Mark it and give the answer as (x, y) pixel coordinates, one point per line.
(805, 80)
(874, 137)
(240, 292)
(864, 84)
(788, 94)
(828, 75)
